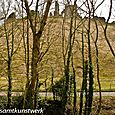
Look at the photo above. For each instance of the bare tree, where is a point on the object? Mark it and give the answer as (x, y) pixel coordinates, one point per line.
(105, 30)
(10, 49)
(11, 46)
(35, 51)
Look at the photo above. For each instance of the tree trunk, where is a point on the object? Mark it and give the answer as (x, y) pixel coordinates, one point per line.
(9, 84)
(35, 52)
(90, 95)
(31, 87)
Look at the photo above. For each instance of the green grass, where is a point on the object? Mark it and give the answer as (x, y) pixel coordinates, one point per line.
(18, 85)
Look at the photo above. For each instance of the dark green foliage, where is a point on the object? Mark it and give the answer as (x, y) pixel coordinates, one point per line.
(49, 107)
(54, 108)
(3, 102)
(58, 88)
(84, 88)
(16, 102)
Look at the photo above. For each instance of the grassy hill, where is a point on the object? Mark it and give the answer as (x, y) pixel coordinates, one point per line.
(55, 31)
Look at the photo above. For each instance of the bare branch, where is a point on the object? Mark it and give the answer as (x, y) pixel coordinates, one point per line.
(105, 30)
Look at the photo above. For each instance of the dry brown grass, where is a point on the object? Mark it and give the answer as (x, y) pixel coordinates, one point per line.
(53, 34)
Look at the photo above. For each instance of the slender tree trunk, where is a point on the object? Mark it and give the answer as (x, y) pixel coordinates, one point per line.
(97, 62)
(36, 94)
(90, 95)
(105, 30)
(27, 56)
(52, 84)
(75, 92)
(85, 86)
(9, 83)
(83, 82)
(9, 60)
(67, 70)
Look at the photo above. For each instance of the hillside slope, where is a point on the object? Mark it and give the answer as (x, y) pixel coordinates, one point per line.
(56, 30)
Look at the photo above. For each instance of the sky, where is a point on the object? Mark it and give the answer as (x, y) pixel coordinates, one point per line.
(102, 11)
